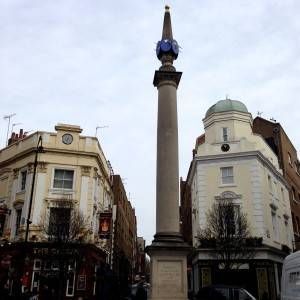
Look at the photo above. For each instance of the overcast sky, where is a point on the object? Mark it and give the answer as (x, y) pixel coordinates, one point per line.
(91, 63)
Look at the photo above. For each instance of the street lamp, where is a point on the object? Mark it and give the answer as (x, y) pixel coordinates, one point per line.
(39, 149)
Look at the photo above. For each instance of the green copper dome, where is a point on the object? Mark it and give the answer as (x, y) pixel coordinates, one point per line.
(226, 105)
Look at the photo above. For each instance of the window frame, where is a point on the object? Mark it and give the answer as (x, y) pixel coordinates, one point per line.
(18, 218)
(52, 222)
(62, 188)
(225, 134)
(23, 180)
(228, 176)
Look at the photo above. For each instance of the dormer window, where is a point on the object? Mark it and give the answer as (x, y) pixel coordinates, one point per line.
(225, 134)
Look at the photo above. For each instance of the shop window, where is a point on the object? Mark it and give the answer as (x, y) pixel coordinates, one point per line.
(70, 280)
(35, 281)
(227, 175)
(63, 179)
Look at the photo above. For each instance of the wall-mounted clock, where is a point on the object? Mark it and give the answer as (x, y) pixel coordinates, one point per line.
(67, 139)
(225, 147)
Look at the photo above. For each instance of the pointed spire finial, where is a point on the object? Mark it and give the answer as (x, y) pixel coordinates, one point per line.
(167, 27)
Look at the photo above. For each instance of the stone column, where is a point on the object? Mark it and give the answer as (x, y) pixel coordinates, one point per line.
(167, 251)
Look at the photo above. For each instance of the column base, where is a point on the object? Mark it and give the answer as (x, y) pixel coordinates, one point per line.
(168, 267)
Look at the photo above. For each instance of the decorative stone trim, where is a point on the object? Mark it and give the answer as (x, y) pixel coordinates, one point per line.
(16, 173)
(273, 206)
(95, 175)
(228, 195)
(4, 171)
(86, 171)
(30, 167)
(18, 203)
(286, 216)
(42, 167)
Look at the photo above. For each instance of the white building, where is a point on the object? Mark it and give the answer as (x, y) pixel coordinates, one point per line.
(72, 175)
(230, 162)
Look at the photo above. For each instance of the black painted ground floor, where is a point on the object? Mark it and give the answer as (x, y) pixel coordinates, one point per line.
(54, 271)
(260, 275)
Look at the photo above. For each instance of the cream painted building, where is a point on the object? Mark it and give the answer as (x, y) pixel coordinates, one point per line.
(72, 168)
(230, 162)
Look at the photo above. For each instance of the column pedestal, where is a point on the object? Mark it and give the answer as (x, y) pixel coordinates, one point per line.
(168, 267)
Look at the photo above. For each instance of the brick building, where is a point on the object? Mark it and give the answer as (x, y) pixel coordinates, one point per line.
(125, 234)
(278, 140)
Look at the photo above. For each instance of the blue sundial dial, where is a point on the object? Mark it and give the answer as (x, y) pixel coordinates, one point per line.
(165, 45)
(157, 48)
(175, 47)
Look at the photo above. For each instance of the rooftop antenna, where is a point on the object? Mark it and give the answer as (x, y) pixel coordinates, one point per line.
(259, 113)
(8, 117)
(99, 127)
(13, 125)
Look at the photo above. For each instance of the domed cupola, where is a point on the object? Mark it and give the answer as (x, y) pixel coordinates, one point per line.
(226, 105)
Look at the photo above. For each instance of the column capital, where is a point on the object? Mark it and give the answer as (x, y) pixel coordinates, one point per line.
(161, 76)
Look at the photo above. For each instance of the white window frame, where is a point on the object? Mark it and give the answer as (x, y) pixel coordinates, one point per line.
(225, 134)
(66, 168)
(270, 184)
(228, 176)
(36, 270)
(71, 269)
(21, 189)
(275, 226)
(17, 225)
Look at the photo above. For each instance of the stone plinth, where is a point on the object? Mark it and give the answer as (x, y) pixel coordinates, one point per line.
(168, 273)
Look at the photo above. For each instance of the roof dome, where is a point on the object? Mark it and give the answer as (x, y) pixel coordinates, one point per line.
(226, 105)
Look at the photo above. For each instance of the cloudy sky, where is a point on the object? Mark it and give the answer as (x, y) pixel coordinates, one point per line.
(91, 63)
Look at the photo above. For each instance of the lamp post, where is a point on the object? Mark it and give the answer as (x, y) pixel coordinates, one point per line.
(39, 149)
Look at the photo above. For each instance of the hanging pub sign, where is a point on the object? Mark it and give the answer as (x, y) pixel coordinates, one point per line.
(105, 225)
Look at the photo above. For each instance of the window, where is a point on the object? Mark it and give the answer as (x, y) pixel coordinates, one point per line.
(18, 220)
(275, 226)
(2, 223)
(59, 223)
(282, 194)
(275, 189)
(229, 216)
(63, 179)
(23, 180)
(70, 280)
(35, 283)
(287, 231)
(290, 159)
(298, 224)
(225, 134)
(227, 175)
(270, 184)
(293, 194)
